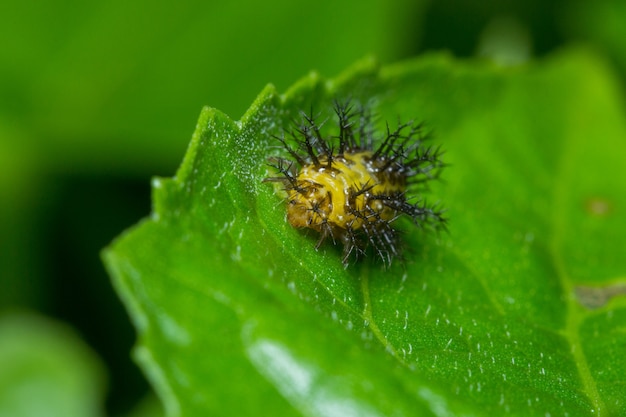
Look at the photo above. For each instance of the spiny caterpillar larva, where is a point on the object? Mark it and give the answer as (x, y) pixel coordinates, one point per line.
(350, 191)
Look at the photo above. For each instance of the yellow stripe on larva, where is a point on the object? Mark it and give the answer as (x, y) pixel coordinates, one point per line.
(329, 195)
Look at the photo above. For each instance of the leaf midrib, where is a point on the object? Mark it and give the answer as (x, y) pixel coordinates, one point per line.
(573, 315)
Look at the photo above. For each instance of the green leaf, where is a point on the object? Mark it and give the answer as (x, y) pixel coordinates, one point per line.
(47, 370)
(237, 312)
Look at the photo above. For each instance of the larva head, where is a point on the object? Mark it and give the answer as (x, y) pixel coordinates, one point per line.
(309, 205)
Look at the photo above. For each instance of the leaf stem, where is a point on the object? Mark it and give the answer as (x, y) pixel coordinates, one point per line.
(368, 316)
(573, 317)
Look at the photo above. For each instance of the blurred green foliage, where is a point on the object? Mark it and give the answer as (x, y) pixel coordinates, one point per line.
(47, 370)
(97, 97)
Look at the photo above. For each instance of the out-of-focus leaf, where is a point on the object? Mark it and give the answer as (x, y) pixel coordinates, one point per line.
(113, 84)
(47, 370)
(600, 23)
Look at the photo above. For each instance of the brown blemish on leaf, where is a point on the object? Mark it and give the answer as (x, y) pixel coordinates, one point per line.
(596, 297)
(598, 206)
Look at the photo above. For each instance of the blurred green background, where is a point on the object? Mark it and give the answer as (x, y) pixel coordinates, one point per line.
(98, 97)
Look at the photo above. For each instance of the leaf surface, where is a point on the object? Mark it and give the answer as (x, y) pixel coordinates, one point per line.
(519, 310)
